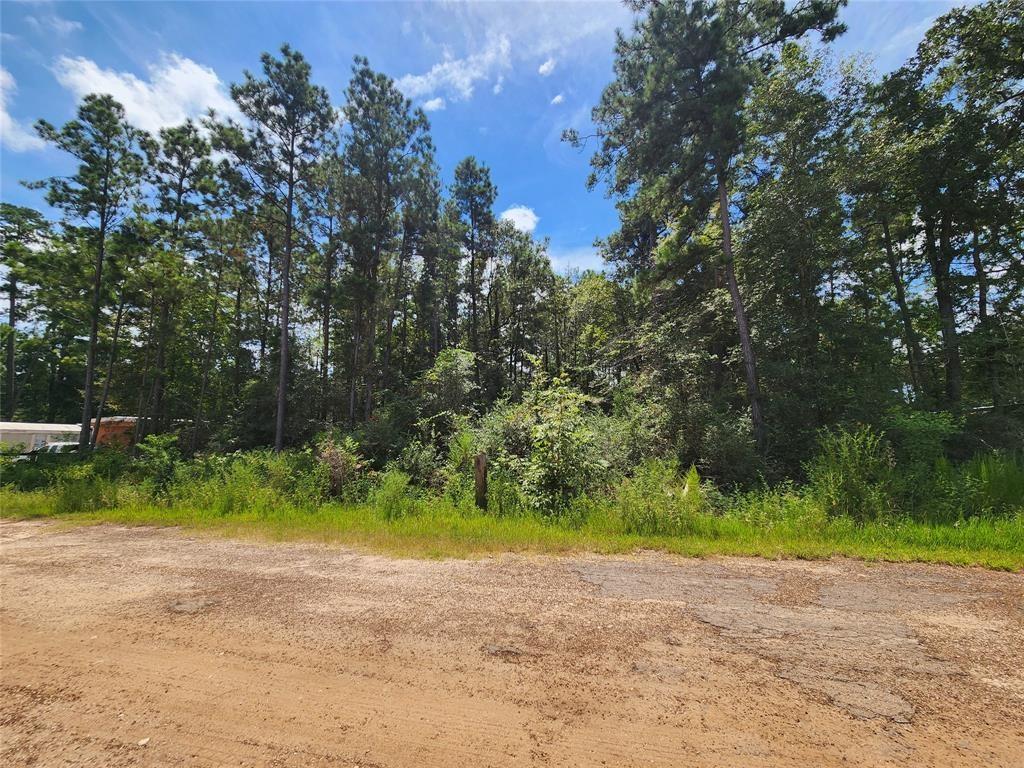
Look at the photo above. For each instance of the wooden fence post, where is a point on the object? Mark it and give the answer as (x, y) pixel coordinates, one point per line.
(480, 467)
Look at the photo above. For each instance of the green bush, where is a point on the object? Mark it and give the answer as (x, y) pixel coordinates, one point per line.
(447, 392)
(505, 497)
(79, 489)
(35, 473)
(918, 438)
(655, 502)
(345, 468)
(505, 433)
(158, 457)
(993, 485)
(461, 450)
(420, 462)
(563, 462)
(783, 504)
(257, 482)
(719, 443)
(852, 475)
(393, 498)
(240, 489)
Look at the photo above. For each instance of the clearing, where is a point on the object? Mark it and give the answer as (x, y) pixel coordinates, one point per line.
(145, 646)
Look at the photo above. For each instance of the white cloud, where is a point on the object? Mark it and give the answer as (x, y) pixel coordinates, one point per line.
(13, 135)
(499, 85)
(522, 217)
(457, 77)
(558, 99)
(177, 88)
(546, 68)
(52, 23)
(434, 104)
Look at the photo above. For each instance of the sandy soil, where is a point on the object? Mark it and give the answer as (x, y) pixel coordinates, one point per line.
(125, 647)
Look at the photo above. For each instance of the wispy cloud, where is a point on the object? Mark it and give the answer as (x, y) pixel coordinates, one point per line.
(13, 135)
(433, 105)
(50, 23)
(547, 67)
(177, 88)
(909, 36)
(558, 99)
(522, 217)
(457, 77)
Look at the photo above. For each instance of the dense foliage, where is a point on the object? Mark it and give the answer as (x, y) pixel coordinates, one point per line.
(818, 278)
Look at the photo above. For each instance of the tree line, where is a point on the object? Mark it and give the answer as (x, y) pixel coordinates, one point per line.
(801, 244)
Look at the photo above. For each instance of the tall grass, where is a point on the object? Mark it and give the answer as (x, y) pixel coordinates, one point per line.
(855, 504)
(778, 523)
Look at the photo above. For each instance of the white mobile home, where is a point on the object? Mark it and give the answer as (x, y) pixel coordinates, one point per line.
(31, 436)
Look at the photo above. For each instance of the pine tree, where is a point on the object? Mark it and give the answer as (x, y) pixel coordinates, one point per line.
(99, 193)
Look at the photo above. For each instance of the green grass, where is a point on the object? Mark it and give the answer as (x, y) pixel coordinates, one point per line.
(784, 526)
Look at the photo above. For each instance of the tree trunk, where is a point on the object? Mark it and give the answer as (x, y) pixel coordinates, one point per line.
(207, 359)
(985, 321)
(139, 415)
(282, 376)
(371, 359)
(473, 334)
(325, 354)
(357, 340)
(157, 395)
(12, 288)
(940, 260)
(266, 303)
(85, 435)
(909, 334)
(237, 383)
(110, 369)
(746, 345)
(398, 298)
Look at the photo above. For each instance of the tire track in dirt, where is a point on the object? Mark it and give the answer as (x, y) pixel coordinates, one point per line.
(222, 652)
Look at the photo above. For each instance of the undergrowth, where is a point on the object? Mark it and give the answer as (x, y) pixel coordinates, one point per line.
(858, 502)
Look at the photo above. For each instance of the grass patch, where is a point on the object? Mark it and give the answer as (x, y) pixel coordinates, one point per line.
(772, 525)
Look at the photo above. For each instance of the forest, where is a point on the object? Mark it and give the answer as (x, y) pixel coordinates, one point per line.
(812, 306)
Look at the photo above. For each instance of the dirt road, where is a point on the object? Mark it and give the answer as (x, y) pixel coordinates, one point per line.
(150, 647)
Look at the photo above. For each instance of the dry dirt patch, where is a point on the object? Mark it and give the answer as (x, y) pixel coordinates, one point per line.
(149, 647)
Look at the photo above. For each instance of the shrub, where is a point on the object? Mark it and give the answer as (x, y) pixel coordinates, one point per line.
(461, 450)
(257, 482)
(634, 432)
(769, 507)
(505, 497)
(993, 484)
(656, 503)
(79, 489)
(35, 473)
(923, 480)
(344, 466)
(393, 498)
(918, 437)
(110, 462)
(420, 462)
(506, 433)
(158, 456)
(852, 475)
(241, 489)
(446, 395)
(719, 443)
(563, 462)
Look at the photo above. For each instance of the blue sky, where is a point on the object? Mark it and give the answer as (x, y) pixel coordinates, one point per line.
(501, 79)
